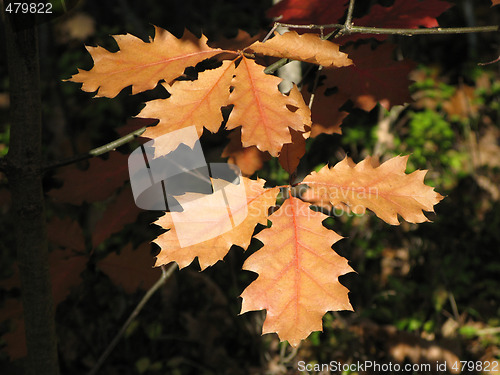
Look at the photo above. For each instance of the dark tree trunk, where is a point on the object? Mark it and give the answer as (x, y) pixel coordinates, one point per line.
(23, 169)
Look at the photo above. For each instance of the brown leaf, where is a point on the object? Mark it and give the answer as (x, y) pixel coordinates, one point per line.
(386, 190)
(213, 225)
(96, 183)
(141, 64)
(307, 47)
(261, 109)
(298, 273)
(131, 269)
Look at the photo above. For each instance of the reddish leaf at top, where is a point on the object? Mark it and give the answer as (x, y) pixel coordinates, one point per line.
(374, 77)
(405, 14)
(319, 12)
(298, 273)
(142, 64)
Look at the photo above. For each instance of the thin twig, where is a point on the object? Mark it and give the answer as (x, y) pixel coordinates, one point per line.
(392, 31)
(165, 275)
(350, 10)
(271, 32)
(97, 151)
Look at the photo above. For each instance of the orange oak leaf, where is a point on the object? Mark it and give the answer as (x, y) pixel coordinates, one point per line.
(386, 190)
(131, 269)
(495, 2)
(142, 64)
(374, 77)
(291, 153)
(261, 109)
(195, 103)
(248, 159)
(298, 273)
(214, 225)
(307, 47)
(96, 183)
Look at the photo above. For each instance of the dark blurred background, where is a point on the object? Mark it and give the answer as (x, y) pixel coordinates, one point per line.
(421, 294)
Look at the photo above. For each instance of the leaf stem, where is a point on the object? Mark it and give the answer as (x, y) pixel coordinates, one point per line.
(98, 151)
(165, 275)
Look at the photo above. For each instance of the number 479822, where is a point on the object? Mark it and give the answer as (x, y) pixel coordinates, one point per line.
(482, 366)
(34, 8)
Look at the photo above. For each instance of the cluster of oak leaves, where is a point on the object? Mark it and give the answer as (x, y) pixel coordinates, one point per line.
(298, 270)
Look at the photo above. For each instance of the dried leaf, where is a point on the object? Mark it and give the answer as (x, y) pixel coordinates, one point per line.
(261, 109)
(298, 273)
(307, 47)
(192, 103)
(142, 64)
(386, 190)
(205, 220)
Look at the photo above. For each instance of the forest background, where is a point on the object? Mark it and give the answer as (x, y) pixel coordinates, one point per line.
(422, 293)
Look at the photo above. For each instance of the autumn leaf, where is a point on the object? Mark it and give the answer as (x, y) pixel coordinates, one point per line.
(404, 14)
(131, 269)
(142, 64)
(298, 273)
(214, 223)
(374, 77)
(319, 12)
(495, 2)
(96, 183)
(386, 190)
(195, 103)
(307, 47)
(261, 109)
